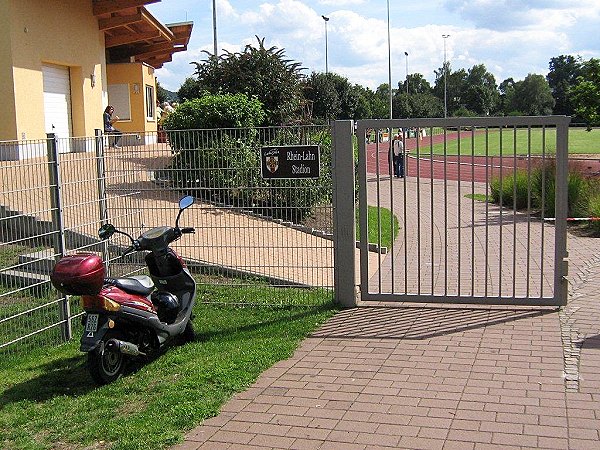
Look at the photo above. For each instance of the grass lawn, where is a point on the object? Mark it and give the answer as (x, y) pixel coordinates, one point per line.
(48, 400)
(580, 141)
(374, 220)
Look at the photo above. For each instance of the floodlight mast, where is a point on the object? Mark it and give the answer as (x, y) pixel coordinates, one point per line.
(326, 19)
(445, 36)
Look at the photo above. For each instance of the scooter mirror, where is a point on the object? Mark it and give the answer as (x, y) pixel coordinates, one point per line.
(106, 231)
(186, 202)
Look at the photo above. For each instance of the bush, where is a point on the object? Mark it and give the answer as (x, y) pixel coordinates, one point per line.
(578, 190)
(464, 112)
(541, 188)
(594, 211)
(211, 112)
(224, 170)
(544, 190)
(511, 184)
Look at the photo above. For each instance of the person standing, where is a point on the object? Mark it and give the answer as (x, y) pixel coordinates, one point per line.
(398, 148)
(109, 120)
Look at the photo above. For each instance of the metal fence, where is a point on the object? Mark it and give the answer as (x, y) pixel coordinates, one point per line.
(257, 240)
(471, 210)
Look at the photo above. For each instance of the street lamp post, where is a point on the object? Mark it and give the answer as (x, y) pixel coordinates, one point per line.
(326, 19)
(214, 4)
(389, 57)
(406, 54)
(445, 36)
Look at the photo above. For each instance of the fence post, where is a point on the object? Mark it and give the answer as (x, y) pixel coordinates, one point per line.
(344, 229)
(561, 264)
(101, 172)
(101, 176)
(58, 226)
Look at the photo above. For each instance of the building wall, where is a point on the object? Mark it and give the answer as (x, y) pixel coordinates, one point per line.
(64, 33)
(138, 76)
(8, 126)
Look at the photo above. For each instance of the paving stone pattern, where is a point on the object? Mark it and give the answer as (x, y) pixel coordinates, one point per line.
(432, 377)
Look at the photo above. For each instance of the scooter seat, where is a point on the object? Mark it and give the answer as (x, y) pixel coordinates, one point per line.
(137, 284)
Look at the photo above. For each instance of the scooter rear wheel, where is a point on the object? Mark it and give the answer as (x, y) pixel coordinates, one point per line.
(106, 367)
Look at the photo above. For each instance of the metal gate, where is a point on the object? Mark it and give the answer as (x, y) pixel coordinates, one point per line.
(478, 218)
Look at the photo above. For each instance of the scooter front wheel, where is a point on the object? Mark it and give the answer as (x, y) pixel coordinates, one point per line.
(107, 366)
(188, 335)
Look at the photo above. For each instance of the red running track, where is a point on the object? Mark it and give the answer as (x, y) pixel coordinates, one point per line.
(465, 167)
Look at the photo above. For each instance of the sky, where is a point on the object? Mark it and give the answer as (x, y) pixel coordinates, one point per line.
(513, 38)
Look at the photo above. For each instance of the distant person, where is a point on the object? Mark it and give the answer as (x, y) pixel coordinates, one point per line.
(159, 111)
(167, 108)
(398, 149)
(109, 120)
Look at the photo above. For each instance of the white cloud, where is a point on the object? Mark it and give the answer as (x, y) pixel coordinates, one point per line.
(225, 10)
(511, 37)
(339, 3)
(507, 15)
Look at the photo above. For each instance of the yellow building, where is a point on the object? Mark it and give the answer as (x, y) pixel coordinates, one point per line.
(63, 61)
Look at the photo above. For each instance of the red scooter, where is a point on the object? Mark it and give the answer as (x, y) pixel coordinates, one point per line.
(133, 316)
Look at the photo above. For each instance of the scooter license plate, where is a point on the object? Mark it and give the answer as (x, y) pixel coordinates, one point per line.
(91, 324)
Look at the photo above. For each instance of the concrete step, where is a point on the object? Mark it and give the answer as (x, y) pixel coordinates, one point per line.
(21, 278)
(40, 262)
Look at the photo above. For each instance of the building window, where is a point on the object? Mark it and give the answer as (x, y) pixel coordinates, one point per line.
(118, 97)
(149, 102)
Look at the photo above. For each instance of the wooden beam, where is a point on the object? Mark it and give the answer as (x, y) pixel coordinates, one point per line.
(158, 62)
(157, 53)
(110, 6)
(163, 46)
(119, 21)
(129, 38)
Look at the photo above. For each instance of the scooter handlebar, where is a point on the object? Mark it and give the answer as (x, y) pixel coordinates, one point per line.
(188, 230)
(133, 247)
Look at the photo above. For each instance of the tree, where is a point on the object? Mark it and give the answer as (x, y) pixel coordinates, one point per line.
(381, 102)
(189, 89)
(349, 98)
(562, 77)
(259, 72)
(506, 88)
(333, 97)
(532, 96)
(455, 87)
(320, 90)
(481, 93)
(162, 95)
(417, 105)
(364, 106)
(417, 84)
(586, 94)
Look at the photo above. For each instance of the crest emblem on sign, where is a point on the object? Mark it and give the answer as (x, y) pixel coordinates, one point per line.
(272, 163)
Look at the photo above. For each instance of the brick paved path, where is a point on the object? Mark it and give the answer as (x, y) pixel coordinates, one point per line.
(432, 377)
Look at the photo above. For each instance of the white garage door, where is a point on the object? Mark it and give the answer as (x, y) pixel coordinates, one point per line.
(57, 103)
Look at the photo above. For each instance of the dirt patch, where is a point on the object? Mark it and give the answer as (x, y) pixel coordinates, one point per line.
(321, 218)
(583, 230)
